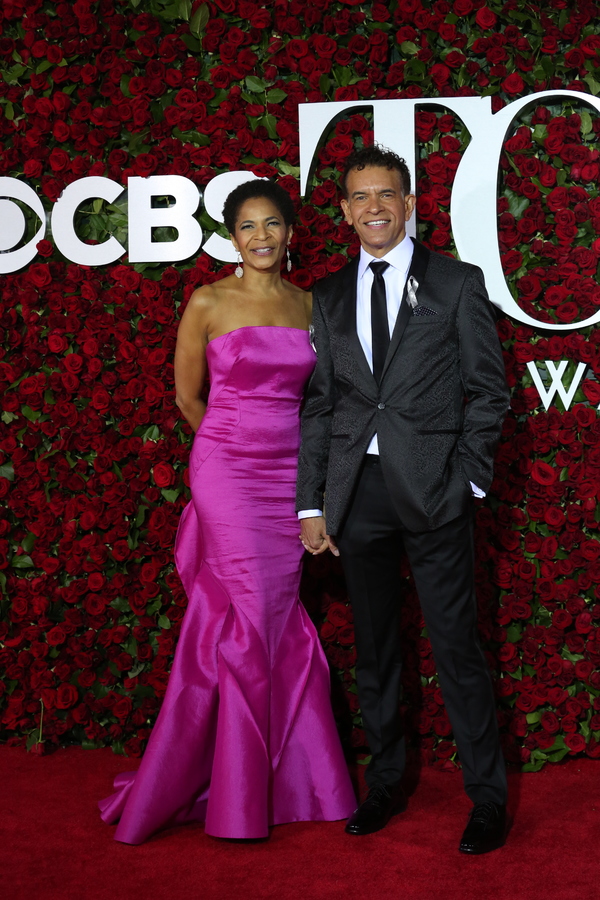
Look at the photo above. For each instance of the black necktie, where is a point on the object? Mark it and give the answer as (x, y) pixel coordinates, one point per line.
(380, 334)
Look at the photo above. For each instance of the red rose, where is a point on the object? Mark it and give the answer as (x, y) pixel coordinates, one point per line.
(345, 634)
(339, 614)
(550, 723)
(66, 696)
(514, 84)
(543, 473)
(485, 18)
(575, 743)
(39, 275)
(164, 475)
(122, 708)
(56, 636)
(440, 75)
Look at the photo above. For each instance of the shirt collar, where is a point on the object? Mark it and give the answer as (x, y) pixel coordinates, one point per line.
(400, 257)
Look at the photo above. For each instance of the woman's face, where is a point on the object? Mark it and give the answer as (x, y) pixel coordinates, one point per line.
(261, 235)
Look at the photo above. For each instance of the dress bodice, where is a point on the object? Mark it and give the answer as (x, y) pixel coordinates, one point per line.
(269, 362)
(257, 378)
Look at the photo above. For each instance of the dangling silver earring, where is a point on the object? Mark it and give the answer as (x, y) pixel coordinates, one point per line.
(288, 265)
(239, 272)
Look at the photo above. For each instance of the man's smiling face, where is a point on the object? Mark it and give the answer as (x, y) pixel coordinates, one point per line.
(377, 208)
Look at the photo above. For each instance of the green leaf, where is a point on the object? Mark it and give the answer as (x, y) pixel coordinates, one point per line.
(516, 204)
(593, 85)
(199, 20)
(164, 622)
(288, 169)
(170, 495)
(324, 84)
(143, 690)
(192, 43)
(192, 137)
(254, 84)
(533, 717)
(125, 86)
(556, 757)
(9, 111)
(7, 471)
(151, 434)
(415, 70)
(276, 95)
(121, 604)
(31, 414)
(28, 542)
(21, 562)
(8, 417)
(533, 766)
(138, 667)
(270, 123)
(153, 607)
(141, 515)
(586, 122)
(342, 74)
(32, 739)
(184, 9)
(409, 48)
(513, 633)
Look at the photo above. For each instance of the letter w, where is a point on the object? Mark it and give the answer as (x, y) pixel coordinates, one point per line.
(556, 384)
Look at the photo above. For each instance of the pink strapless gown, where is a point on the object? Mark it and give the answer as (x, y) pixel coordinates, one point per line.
(245, 737)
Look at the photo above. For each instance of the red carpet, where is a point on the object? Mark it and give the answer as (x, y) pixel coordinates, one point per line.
(54, 846)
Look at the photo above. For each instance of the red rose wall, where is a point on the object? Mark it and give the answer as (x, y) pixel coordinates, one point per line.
(93, 453)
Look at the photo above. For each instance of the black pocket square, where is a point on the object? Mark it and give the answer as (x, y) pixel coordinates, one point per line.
(424, 311)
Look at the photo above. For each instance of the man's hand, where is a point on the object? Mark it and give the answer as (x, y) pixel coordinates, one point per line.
(314, 537)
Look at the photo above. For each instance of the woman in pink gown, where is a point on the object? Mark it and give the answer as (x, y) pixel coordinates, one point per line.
(245, 738)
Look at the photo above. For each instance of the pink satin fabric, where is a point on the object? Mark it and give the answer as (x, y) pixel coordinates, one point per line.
(245, 738)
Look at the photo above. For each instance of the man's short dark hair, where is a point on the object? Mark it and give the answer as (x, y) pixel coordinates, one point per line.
(375, 156)
(250, 190)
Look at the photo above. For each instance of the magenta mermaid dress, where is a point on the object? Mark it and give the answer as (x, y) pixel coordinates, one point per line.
(245, 737)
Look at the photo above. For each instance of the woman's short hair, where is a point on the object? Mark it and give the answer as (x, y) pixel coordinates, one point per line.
(250, 190)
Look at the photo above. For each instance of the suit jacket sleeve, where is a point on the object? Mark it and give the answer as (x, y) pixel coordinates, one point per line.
(484, 381)
(316, 419)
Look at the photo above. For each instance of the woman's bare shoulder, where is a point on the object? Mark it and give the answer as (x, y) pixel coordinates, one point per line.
(302, 297)
(206, 298)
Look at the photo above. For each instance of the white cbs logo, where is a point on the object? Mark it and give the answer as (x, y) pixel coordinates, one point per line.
(143, 217)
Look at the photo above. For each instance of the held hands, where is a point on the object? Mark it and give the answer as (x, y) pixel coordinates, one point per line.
(314, 537)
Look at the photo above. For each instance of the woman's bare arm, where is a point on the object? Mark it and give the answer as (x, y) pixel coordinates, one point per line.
(190, 356)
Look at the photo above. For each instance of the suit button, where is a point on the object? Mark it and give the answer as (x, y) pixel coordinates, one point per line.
(381, 406)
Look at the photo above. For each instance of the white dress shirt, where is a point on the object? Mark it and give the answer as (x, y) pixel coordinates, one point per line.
(399, 260)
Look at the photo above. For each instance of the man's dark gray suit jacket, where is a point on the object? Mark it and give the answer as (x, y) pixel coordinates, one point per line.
(438, 411)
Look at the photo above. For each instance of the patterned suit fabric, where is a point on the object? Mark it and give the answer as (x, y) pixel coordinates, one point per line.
(437, 412)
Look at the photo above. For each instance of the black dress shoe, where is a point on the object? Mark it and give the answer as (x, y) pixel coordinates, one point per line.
(486, 829)
(383, 801)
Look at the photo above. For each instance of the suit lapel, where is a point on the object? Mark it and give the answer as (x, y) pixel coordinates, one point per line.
(418, 268)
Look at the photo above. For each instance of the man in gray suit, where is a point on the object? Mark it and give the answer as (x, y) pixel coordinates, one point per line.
(402, 417)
